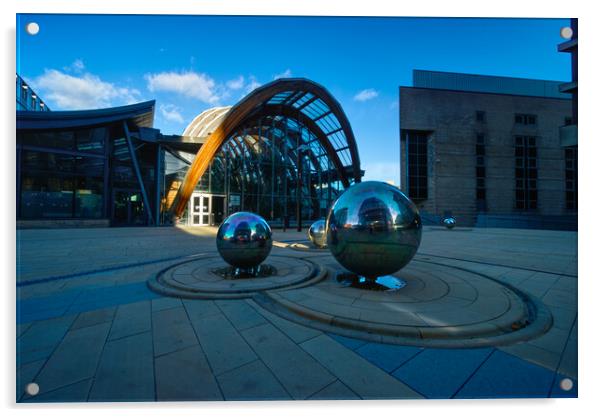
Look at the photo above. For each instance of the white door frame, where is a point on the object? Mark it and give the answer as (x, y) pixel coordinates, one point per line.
(197, 215)
(198, 211)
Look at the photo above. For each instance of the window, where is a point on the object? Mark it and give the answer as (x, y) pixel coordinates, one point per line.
(416, 147)
(525, 172)
(570, 175)
(480, 171)
(525, 119)
(480, 116)
(568, 121)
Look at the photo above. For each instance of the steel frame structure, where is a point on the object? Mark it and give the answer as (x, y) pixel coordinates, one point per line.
(323, 131)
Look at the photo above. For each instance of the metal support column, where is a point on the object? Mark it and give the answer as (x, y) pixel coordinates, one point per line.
(158, 178)
(299, 179)
(128, 139)
(285, 172)
(272, 141)
(107, 201)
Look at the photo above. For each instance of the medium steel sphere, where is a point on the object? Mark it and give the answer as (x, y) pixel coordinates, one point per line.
(449, 222)
(244, 240)
(373, 229)
(317, 233)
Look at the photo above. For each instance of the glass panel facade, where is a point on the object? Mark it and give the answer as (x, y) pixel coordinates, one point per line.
(276, 167)
(83, 174)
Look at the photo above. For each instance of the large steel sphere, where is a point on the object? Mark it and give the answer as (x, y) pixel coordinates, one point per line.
(244, 240)
(449, 222)
(373, 229)
(317, 233)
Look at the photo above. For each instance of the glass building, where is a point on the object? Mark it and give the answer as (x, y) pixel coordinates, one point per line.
(87, 165)
(285, 151)
(27, 99)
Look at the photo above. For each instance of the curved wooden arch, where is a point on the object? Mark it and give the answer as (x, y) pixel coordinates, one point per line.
(236, 117)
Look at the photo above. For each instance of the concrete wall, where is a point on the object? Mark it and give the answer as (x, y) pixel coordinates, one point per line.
(450, 116)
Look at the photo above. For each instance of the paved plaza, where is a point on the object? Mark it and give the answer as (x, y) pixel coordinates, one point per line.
(485, 313)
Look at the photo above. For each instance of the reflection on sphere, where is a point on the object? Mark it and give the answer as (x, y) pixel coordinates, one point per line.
(373, 229)
(244, 240)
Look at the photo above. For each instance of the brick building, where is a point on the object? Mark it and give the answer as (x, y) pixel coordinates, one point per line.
(487, 150)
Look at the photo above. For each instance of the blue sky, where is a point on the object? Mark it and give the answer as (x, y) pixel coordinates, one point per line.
(191, 63)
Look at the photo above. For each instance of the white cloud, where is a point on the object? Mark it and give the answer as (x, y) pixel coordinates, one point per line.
(76, 66)
(365, 95)
(84, 91)
(236, 84)
(252, 84)
(189, 83)
(286, 74)
(171, 112)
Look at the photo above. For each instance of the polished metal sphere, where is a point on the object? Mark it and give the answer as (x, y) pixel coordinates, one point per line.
(244, 240)
(317, 233)
(449, 222)
(373, 229)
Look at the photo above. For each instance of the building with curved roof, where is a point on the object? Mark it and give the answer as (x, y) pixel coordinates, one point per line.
(284, 151)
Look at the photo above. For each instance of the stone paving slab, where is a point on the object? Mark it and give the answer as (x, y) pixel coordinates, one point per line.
(335, 391)
(301, 381)
(125, 371)
(40, 340)
(241, 315)
(185, 375)
(91, 318)
(355, 372)
(296, 332)
(504, 376)
(251, 382)
(75, 359)
(440, 373)
(172, 331)
(131, 319)
(224, 346)
(387, 357)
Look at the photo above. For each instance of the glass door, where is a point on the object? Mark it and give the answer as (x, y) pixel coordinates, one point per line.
(128, 209)
(200, 206)
(205, 209)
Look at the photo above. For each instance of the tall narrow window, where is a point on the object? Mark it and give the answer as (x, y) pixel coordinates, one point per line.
(416, 143)
(570, 175)
(480, 116)
(526, 172)
(480, 172)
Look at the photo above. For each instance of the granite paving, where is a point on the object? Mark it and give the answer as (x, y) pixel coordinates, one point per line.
(89, 329)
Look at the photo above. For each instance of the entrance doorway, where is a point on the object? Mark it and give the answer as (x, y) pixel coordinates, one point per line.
(207, 209)
(128, 208)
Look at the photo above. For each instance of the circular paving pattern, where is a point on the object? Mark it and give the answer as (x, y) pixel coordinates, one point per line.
(440, 306)
(197, 278)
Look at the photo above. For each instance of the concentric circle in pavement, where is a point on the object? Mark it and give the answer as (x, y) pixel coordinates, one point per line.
(197, 278)
(440, 306)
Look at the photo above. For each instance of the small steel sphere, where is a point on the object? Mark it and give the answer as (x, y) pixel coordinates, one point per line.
(449, 222)
(244, 240)
(373, 229)
(317, 233)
